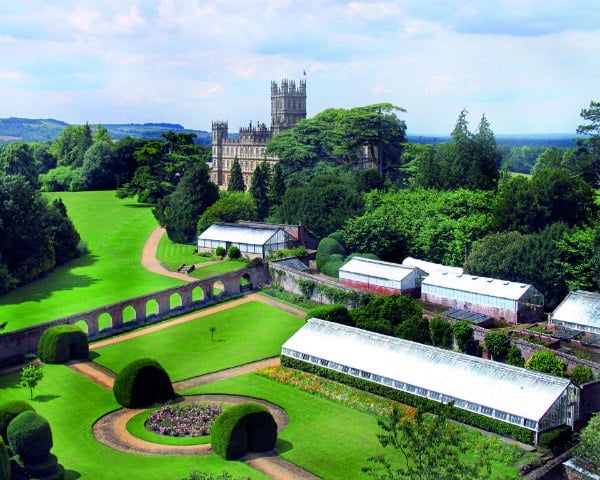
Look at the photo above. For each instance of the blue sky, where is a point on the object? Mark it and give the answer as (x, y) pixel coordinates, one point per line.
(529, 65)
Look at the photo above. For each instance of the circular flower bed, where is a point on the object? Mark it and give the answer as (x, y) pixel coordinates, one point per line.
(185, 420)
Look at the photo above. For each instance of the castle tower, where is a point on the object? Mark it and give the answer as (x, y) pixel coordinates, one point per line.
(220, 132)
(288, 104)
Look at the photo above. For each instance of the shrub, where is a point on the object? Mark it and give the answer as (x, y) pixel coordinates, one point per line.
(440, 332)
(555, 437)
(327, 247)
(332, 268)
(141, 383)
(220, 252)
(241, 429)
(61, 343)
(234, 253)
(4, 462)
(581, 374)
(332, 313)
(8, 411)
(515, 357)
(29, 435)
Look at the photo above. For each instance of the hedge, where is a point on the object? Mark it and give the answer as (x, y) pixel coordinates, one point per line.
(4, 462)
(29, 435)
(8, 411)
(332, 313)
(241, 429)
(485, 423)
(61, 343)
(141, 383)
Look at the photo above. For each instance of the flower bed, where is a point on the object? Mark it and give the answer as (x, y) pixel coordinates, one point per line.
(185, 420)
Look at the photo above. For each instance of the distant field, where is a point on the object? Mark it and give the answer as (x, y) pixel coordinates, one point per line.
(115, 231)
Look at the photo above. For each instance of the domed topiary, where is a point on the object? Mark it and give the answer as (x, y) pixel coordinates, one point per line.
(141, 383)
(241, 429)
(61, 343)
(29, 435)
(8, 411)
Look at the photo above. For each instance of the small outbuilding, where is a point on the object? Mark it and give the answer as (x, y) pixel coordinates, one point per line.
(383, 278)
(531, 400)
(512, 301)
(579, 310)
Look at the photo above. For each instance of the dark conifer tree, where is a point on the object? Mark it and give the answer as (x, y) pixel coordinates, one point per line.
(236, 180)
(259, 189)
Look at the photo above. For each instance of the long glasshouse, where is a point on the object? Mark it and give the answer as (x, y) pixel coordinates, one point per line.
(512, 301)
(528, 399)
(382, 278)
(580, 310)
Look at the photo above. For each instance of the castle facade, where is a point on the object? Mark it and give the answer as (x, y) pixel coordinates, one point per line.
(288, 106)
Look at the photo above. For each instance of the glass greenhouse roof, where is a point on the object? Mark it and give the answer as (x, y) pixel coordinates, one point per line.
(495, 385)
(376, 268)
(579, 307)
(238, 234)
(491, 287)
(429, 267)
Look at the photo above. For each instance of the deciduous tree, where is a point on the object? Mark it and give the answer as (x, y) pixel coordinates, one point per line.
(31, 376)
(546, 362)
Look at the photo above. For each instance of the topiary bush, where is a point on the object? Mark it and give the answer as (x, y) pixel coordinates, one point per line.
(241, 429)
(4, 462)
(234, 253)
(29, 435)
(8, 411)
(141, 383)
(332, 313)
(220, 252)
(61, 343)
(327, 247)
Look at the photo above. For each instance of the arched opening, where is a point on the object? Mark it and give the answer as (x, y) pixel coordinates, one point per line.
(128, 314)
(175, 301)
(197, 294)
(105, 321)
(245, 282)
(218, 289)
(151, 308)
(82, 324)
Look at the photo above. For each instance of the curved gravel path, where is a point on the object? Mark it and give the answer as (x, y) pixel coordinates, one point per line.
(111, 429)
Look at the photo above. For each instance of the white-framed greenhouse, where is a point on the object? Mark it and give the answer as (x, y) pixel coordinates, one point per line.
(512, 301)
(430, 267)
(579, 310)
(382, 278)
(528, 399)
(253, 241)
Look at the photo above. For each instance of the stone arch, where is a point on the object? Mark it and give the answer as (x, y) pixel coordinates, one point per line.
(175, 301)
(129, 314)
(217, 289)
(198, 294)
(83, 325)
(245, 282)
(105, 321)
(152, 307)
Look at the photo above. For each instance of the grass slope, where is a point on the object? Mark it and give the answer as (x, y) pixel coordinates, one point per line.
(245, 333)
(115, 231)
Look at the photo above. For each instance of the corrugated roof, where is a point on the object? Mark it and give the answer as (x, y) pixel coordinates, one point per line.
(238, 234)
(429, 267)
(495, 385)
(474, 284)
(376, 268)
(579, 307)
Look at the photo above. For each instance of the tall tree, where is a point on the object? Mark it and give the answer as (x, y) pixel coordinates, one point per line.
(276, 185)
(483, 174)
(236, 180)
(17, 158)
(99, 166)
(230, 207)
(71, 144)
(589, 153)
(259, 189)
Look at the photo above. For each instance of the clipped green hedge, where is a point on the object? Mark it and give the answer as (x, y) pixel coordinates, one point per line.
(241, 429)
(333, 313)
(556, 436)
(141, 383)
(61, 343)
(4, 462)
(485, 423)
(29, 435)
(8, 411)
(328, 247)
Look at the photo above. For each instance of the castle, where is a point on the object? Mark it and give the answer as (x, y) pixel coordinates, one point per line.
(288, 106)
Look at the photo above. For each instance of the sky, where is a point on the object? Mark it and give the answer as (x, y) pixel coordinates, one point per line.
(529, 66)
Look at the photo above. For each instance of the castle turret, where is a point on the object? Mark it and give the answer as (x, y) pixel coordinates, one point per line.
(288, 104)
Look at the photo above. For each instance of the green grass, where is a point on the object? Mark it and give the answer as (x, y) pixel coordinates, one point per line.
(331, 440)
(115, 231)
(174, 254)
(72, 404)
(245, 333)
(223, 266)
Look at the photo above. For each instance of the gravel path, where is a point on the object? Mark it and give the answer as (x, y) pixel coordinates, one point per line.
(111, 429)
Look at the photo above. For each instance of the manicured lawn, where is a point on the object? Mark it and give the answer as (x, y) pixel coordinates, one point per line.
(115, 231)
(329, 439)
(174, 254)
(222, 266)
(245, 333)
(72, 404)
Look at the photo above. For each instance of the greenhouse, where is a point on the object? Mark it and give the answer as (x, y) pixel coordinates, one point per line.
(253, 241)
(383, 278)
(580, 311)
(528, 399)
(511, 301)
(430, 267)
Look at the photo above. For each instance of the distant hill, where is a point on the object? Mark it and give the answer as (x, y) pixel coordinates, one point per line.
(41, 130)
(513, 140)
